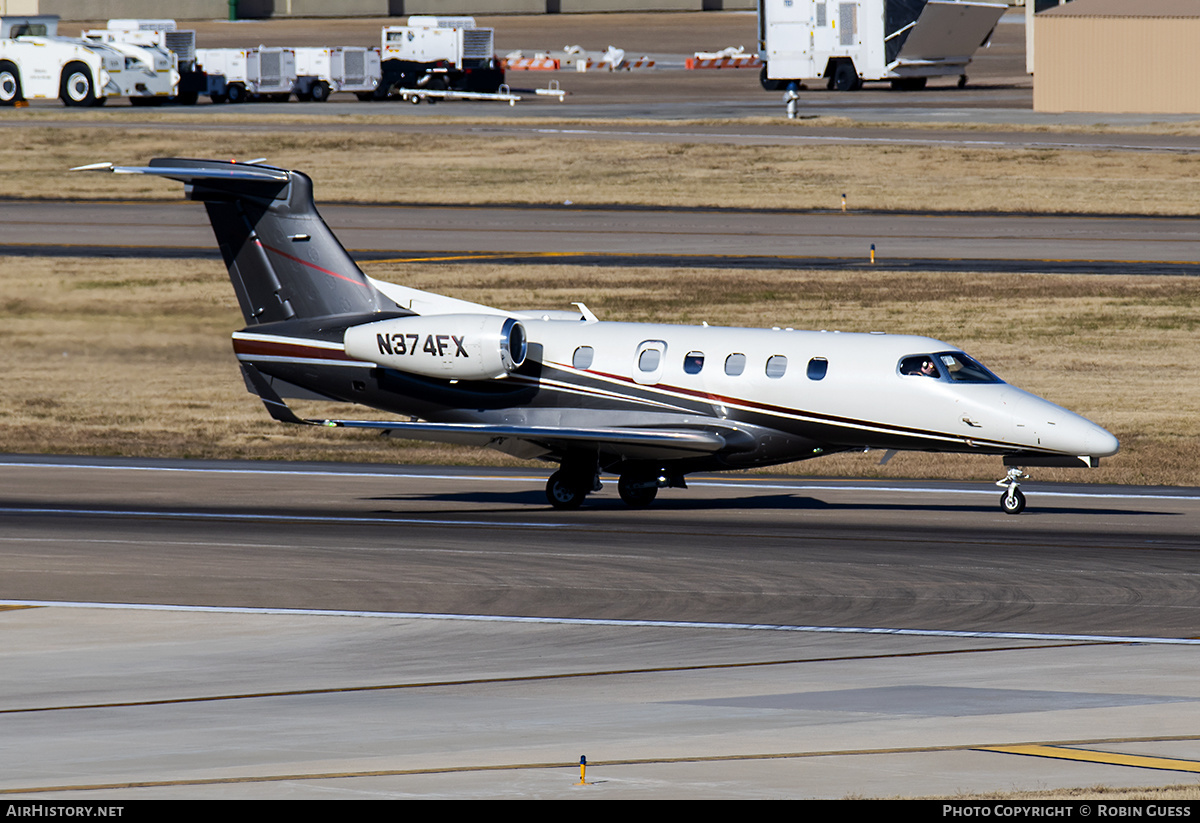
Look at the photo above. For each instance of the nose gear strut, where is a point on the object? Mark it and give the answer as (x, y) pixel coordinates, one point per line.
(1012, 501)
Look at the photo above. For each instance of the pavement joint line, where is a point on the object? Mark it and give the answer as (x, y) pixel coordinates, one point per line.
(625, 623)
(532, 678)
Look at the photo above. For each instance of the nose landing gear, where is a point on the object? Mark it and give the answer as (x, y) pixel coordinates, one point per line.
(1012, 501)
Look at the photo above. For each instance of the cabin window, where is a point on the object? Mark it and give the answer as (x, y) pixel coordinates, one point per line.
(583, 357)
(649, 359)
(693, 362)
(776, 366)
(818, 367)
(735, 364)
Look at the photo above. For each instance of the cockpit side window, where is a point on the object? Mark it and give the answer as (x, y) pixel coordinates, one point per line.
(948, 365)
(920, 365)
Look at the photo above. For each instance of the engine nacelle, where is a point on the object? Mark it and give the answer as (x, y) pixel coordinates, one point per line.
(451, 346)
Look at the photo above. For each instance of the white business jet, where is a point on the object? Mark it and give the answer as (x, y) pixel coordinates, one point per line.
(648, 402)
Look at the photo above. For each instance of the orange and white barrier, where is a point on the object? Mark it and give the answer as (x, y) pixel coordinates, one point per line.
(531, 64)
(702, 61)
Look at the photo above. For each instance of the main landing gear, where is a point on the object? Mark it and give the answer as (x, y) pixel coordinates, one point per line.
(1012, 501)
(568, 486)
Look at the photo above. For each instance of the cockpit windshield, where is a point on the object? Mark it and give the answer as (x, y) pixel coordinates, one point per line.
(949, 365)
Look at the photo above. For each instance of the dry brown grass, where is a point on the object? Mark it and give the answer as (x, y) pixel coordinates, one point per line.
(369, 161)
(131, 357)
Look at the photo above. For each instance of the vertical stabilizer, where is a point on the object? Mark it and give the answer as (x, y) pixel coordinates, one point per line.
(283, 260)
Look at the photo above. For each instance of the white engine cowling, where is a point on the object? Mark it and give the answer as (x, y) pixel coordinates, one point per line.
(451, 346)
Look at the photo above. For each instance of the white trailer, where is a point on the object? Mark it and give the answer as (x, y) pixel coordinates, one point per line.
(162, 34)
(237, 74)
(321, 71)
(846, 43)
(35, 63)
(439, 54)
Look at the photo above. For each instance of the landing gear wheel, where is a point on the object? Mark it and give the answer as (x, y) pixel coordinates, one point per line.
(1013, 502)
(635, 491)
(563, 493)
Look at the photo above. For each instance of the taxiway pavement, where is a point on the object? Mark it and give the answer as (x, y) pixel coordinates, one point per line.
(277, 630)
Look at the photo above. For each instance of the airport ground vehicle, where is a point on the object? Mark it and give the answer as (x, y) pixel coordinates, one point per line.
(649, 402)
(322, 71)
(35, 63)
(235, 75)
(846, 43)
(439, 54)
(162, 34)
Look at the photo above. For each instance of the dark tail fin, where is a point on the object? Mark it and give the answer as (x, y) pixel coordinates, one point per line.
(283, 260)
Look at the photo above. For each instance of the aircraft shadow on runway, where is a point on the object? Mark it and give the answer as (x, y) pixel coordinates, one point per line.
(521, 500)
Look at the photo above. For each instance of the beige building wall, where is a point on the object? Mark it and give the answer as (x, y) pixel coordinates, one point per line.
(1117, 64)
(104, 9)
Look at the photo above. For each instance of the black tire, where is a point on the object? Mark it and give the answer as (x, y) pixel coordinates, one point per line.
(10, 84)
(217, 99)
(563, 493)
(634, 494)
(188, 98)
(319, 93)
(415, 99)
(845, 78)
(76, 88)
(1014, 503)
(235, 93)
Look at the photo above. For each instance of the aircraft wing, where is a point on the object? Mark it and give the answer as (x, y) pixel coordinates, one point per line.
(631, 442)
(649, 443)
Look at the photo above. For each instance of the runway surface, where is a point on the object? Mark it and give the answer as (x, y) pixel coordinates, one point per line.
(654, 237)
(353, 630)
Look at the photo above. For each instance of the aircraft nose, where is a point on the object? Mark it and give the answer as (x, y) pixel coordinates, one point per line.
(1101, 442)
(1063, 431)
(1072, 434)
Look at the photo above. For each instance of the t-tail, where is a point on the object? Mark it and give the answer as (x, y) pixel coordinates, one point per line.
(284, 261)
